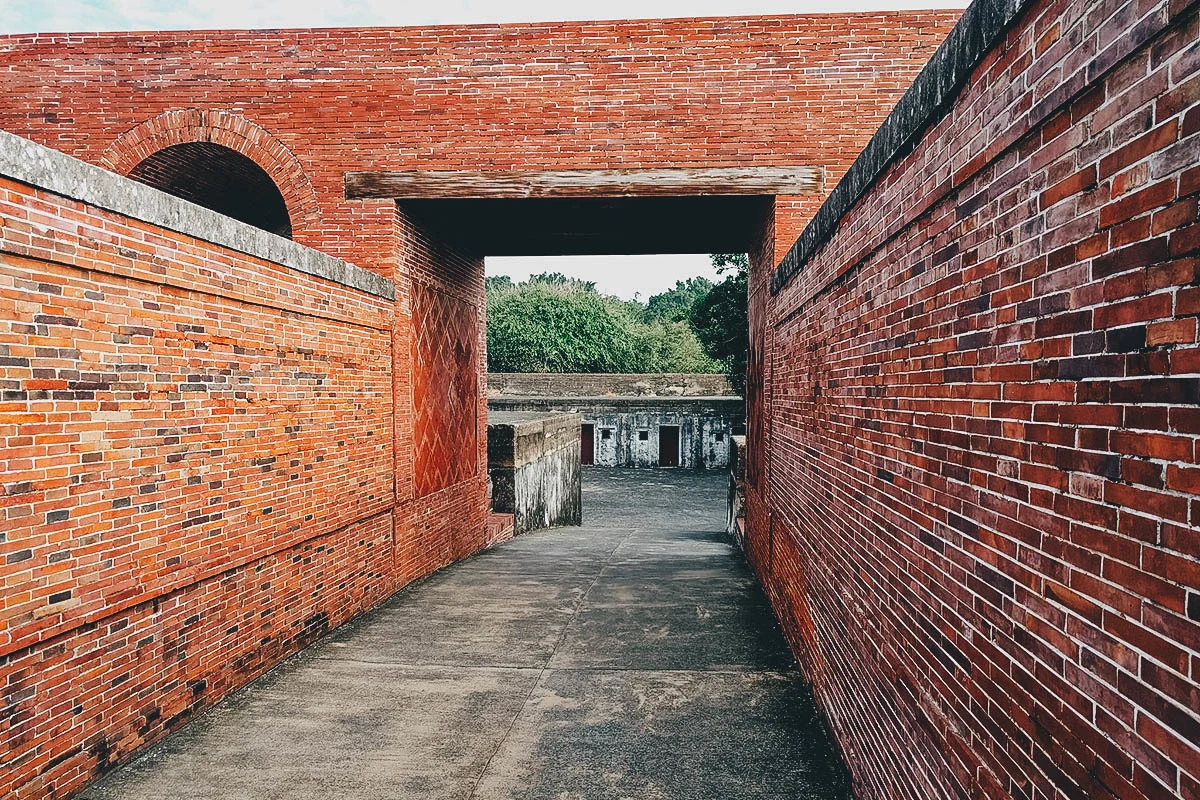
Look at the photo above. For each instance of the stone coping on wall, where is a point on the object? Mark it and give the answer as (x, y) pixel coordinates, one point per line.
(516, 438)
(924, 103)
(649, 401)
(522, 420)
(50, 170)
(608, 384)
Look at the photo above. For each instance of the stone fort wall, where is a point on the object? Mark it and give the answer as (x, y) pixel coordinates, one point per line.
(574, 384)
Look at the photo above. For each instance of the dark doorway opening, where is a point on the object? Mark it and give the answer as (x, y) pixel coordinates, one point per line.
(219, 178)
(587, 445)
(668, 445)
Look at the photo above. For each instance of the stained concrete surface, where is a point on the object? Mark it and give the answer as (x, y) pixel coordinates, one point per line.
(631, 658)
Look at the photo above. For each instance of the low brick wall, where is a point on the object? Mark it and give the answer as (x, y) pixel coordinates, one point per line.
(195, 438)
(533, 468)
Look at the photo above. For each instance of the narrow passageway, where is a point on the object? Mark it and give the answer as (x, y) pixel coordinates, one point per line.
(632, 658)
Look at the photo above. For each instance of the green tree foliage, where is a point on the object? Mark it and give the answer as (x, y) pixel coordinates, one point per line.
(558, 279)
(497, 283)
(675, 305)
(720, 319)
(673, 347)
(552, 323)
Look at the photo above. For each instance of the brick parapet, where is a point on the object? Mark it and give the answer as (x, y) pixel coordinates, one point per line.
(580, 95)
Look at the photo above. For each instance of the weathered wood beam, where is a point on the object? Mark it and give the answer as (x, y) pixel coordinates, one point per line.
(674, 182)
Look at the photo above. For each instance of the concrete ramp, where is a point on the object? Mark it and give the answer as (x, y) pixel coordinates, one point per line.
(634, 657)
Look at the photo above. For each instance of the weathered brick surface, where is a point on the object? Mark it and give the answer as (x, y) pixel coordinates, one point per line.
(89, 697)
(980, 397)
(197, 460)
(441, 402)
(307, 106)
(972, 486)
(446, 392)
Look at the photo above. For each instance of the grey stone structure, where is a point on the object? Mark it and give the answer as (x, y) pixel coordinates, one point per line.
(691, 432)
(533, 468)
(642, 420)
(608, 384)
(736, 519)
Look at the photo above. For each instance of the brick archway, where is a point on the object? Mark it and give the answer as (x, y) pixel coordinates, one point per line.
(226, 128)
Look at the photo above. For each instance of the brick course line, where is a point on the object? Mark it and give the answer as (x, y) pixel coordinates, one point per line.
(15, 653)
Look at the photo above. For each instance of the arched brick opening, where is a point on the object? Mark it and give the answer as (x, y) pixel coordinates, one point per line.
(221, 160)
(217, 177)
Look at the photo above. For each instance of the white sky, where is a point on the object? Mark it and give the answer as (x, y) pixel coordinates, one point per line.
(624, 276)
(27, 16)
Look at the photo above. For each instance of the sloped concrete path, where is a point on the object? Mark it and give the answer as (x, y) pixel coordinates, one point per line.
(632, 658)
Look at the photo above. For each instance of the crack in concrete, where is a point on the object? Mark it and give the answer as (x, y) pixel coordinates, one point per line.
(546, 666)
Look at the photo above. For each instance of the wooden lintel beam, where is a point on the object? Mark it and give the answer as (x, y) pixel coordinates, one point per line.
(672, 182)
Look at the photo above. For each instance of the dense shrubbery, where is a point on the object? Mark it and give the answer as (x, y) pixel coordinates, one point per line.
(675, 305)
(552, 323)
(552, 327)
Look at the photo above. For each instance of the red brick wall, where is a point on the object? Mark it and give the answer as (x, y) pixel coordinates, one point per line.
(197, 478)
(309, 105)
(982, 397)
(441, 395)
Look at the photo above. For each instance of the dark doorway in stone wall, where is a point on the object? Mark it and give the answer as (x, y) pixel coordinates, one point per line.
(668, 445)
(587, 445)
(219, 178)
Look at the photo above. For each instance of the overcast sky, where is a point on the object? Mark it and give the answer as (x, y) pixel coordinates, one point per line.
(624, 276)
(25, 16)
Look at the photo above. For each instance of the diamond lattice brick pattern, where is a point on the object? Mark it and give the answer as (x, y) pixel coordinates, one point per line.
(445, 389)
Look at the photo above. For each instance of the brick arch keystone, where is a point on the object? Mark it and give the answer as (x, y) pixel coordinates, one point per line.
(235, 132)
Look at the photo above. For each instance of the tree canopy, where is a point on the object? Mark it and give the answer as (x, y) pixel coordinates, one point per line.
(555, 323)
(675, 305)
(720, 319)
(543, 327)
(552, 323)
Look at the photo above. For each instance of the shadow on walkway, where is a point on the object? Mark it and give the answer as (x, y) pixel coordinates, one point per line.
(632, 658)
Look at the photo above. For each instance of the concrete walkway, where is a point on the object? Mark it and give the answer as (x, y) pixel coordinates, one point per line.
(633, 658)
